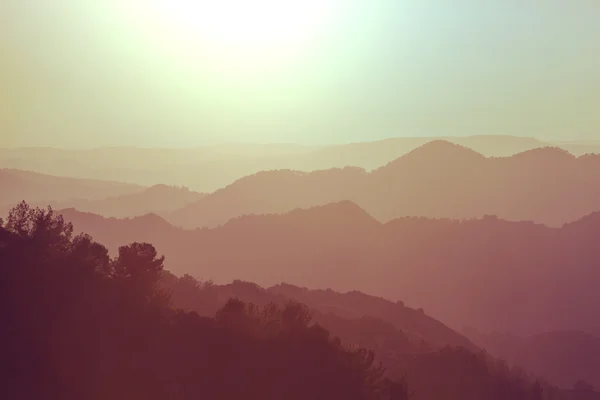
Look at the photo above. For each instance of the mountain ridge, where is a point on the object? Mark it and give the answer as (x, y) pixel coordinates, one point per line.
(419, 260)
(208, 168)
(439, 179)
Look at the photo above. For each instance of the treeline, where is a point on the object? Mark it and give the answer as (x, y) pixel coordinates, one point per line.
(432, 371)
(77, 324)
(467, 273)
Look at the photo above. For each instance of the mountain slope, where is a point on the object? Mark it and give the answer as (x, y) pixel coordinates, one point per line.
(356, 305)
(158, 199)
(438, 180)
(489, 273)
(437, 362)
(34, 187)
(209, 168)
(419, 327)
(271, 192)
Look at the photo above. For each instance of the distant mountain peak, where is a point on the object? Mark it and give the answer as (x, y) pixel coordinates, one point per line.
(341, 211)
(150, 217)
(443, 148)
(544, 152)
(332, 215)
(437, 152)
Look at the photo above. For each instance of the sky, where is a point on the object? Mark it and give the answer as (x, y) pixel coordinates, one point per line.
(89, 73)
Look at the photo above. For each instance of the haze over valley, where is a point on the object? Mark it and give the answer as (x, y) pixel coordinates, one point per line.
(299, 200)
(430, 229)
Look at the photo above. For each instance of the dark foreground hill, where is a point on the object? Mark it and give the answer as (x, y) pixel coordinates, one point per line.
(437, 180)
(79, 324)
(488, 273)
(419, 329)
(432, 370)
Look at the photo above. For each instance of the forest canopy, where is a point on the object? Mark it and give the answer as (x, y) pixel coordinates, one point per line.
(82, 325)
(79, 324)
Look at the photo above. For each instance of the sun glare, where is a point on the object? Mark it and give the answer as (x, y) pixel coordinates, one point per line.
(244, 31)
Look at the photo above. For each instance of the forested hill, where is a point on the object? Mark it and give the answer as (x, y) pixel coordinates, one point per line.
(80, 325)
(83, 325)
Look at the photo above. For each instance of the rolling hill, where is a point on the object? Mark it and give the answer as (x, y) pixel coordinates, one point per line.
(209, 168)
(158, 199)
(488, 273)
(436, 180)
(34, 187)
(419, 329)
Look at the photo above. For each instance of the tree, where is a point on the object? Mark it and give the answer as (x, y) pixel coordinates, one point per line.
(42, 226)
(139, 268)
(90, 255)
(138, 262)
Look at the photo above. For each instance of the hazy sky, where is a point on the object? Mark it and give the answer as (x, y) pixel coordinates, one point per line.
(90, 73)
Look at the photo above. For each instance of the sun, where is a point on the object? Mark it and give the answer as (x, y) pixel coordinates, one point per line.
(239, 31)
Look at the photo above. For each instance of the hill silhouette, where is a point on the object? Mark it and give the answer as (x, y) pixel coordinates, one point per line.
(271, 192)
(489, 273)
(439, 180)
(20, 185)
(414, 345)
(78, 324)
(209, 168)
(419, 328)
(354, 305)
(81, 324)
(158, 199)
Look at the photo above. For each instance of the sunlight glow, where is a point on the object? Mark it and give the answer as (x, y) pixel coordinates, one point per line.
(239, 31)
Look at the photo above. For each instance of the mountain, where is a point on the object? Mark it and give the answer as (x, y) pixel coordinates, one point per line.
(561, 357)
(209, 168)
(158, 199)
(149, 228)
(271, 192)
(407, 341)
(356, 305)
(203, 169)
(489, 273)
(80, 324)
(110, 199)
(34, 187)
(330, 308)
(437, 180)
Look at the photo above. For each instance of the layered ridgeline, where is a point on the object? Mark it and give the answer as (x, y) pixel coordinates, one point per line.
(487, 273)
(410, 342)
(110, 199)
(437, 180)
(387, 320)
(82, 325)
(435, 361)
(19, 185)
(157, 199)
(210, 168)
